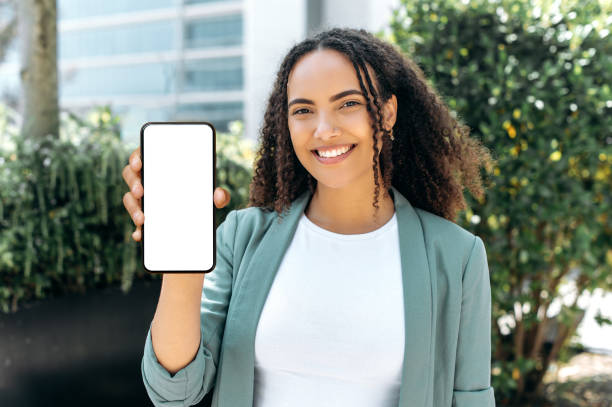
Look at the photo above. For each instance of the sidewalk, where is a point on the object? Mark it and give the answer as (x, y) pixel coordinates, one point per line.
(586, 381)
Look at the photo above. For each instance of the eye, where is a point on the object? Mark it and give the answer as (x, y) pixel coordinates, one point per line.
(351, 101)
(299, 110)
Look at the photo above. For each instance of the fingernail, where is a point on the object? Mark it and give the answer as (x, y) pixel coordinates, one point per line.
(137, 215)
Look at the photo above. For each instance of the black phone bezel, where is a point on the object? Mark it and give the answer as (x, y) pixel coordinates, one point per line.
(214, 182)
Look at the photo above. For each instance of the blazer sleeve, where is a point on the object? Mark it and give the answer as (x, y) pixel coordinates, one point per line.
(472, 385)
(189, 385)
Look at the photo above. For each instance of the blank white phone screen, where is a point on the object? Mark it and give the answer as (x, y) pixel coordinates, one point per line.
(178, 164)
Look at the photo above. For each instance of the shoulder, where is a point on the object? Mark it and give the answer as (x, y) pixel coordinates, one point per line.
(254, 217)
(443, 227)
(249, 222)
(446, 240)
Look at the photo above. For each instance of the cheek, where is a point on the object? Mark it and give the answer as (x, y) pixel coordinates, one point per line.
(300, 147)
(298, 127)
(299, 138)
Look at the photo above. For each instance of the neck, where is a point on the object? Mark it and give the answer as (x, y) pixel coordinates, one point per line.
(349, 210)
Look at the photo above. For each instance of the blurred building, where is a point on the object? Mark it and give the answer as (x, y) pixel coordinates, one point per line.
(171, 60)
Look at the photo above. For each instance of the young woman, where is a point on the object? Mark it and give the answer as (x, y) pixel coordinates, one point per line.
(345, 282)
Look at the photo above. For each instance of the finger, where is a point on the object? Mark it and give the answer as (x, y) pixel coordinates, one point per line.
(133, 180)
(218, 197)
(137, 234)
(134, 209)
(135, 161)
(221, 197)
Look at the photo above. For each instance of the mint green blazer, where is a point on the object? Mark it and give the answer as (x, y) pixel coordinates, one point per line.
(447, 309)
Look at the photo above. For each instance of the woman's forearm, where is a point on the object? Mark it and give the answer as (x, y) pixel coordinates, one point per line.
(175, 330)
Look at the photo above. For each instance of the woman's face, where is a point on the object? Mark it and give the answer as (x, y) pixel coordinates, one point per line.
(326, 108)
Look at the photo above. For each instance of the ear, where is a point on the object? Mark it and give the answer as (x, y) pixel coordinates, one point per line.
(390, 112)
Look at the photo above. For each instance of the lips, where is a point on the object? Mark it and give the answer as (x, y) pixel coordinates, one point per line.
(333, 160)
(331, 148)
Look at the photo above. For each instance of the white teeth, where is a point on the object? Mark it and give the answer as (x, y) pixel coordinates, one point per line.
(333, 153)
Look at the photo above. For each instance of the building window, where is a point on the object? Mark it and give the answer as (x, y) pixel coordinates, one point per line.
(219, 114)
(205, 1)
(215, 31)
(213, 74)
(127, 39)
(73, 9)
(140, 79)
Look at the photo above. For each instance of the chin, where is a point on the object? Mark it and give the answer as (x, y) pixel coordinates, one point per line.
(332, 183)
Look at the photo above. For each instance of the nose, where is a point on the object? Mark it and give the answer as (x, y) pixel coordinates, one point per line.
(325, 128)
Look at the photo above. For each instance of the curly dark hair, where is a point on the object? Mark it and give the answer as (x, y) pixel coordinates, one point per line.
(429, 161)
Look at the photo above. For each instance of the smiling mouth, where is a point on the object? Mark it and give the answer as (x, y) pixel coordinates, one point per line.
(333, 160)
(316, 152)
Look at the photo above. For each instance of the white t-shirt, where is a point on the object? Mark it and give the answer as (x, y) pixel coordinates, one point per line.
(331, 332)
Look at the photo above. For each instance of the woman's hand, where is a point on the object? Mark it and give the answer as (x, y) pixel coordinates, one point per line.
(133, 198)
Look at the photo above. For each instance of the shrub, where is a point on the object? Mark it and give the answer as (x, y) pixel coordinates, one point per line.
(63, 226)
(536, 91)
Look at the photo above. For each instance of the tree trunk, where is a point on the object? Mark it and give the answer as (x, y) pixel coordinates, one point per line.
(7, 33)
(37, 30)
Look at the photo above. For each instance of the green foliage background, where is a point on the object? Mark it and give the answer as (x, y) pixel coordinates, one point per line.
(533, 83)
(63, 226)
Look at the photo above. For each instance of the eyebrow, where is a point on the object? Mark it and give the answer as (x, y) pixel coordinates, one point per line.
(331, 99)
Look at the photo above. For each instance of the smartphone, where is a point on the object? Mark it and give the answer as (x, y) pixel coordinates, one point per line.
(179, 179)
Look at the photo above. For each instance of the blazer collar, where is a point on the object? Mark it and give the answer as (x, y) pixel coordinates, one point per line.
(239, 337)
